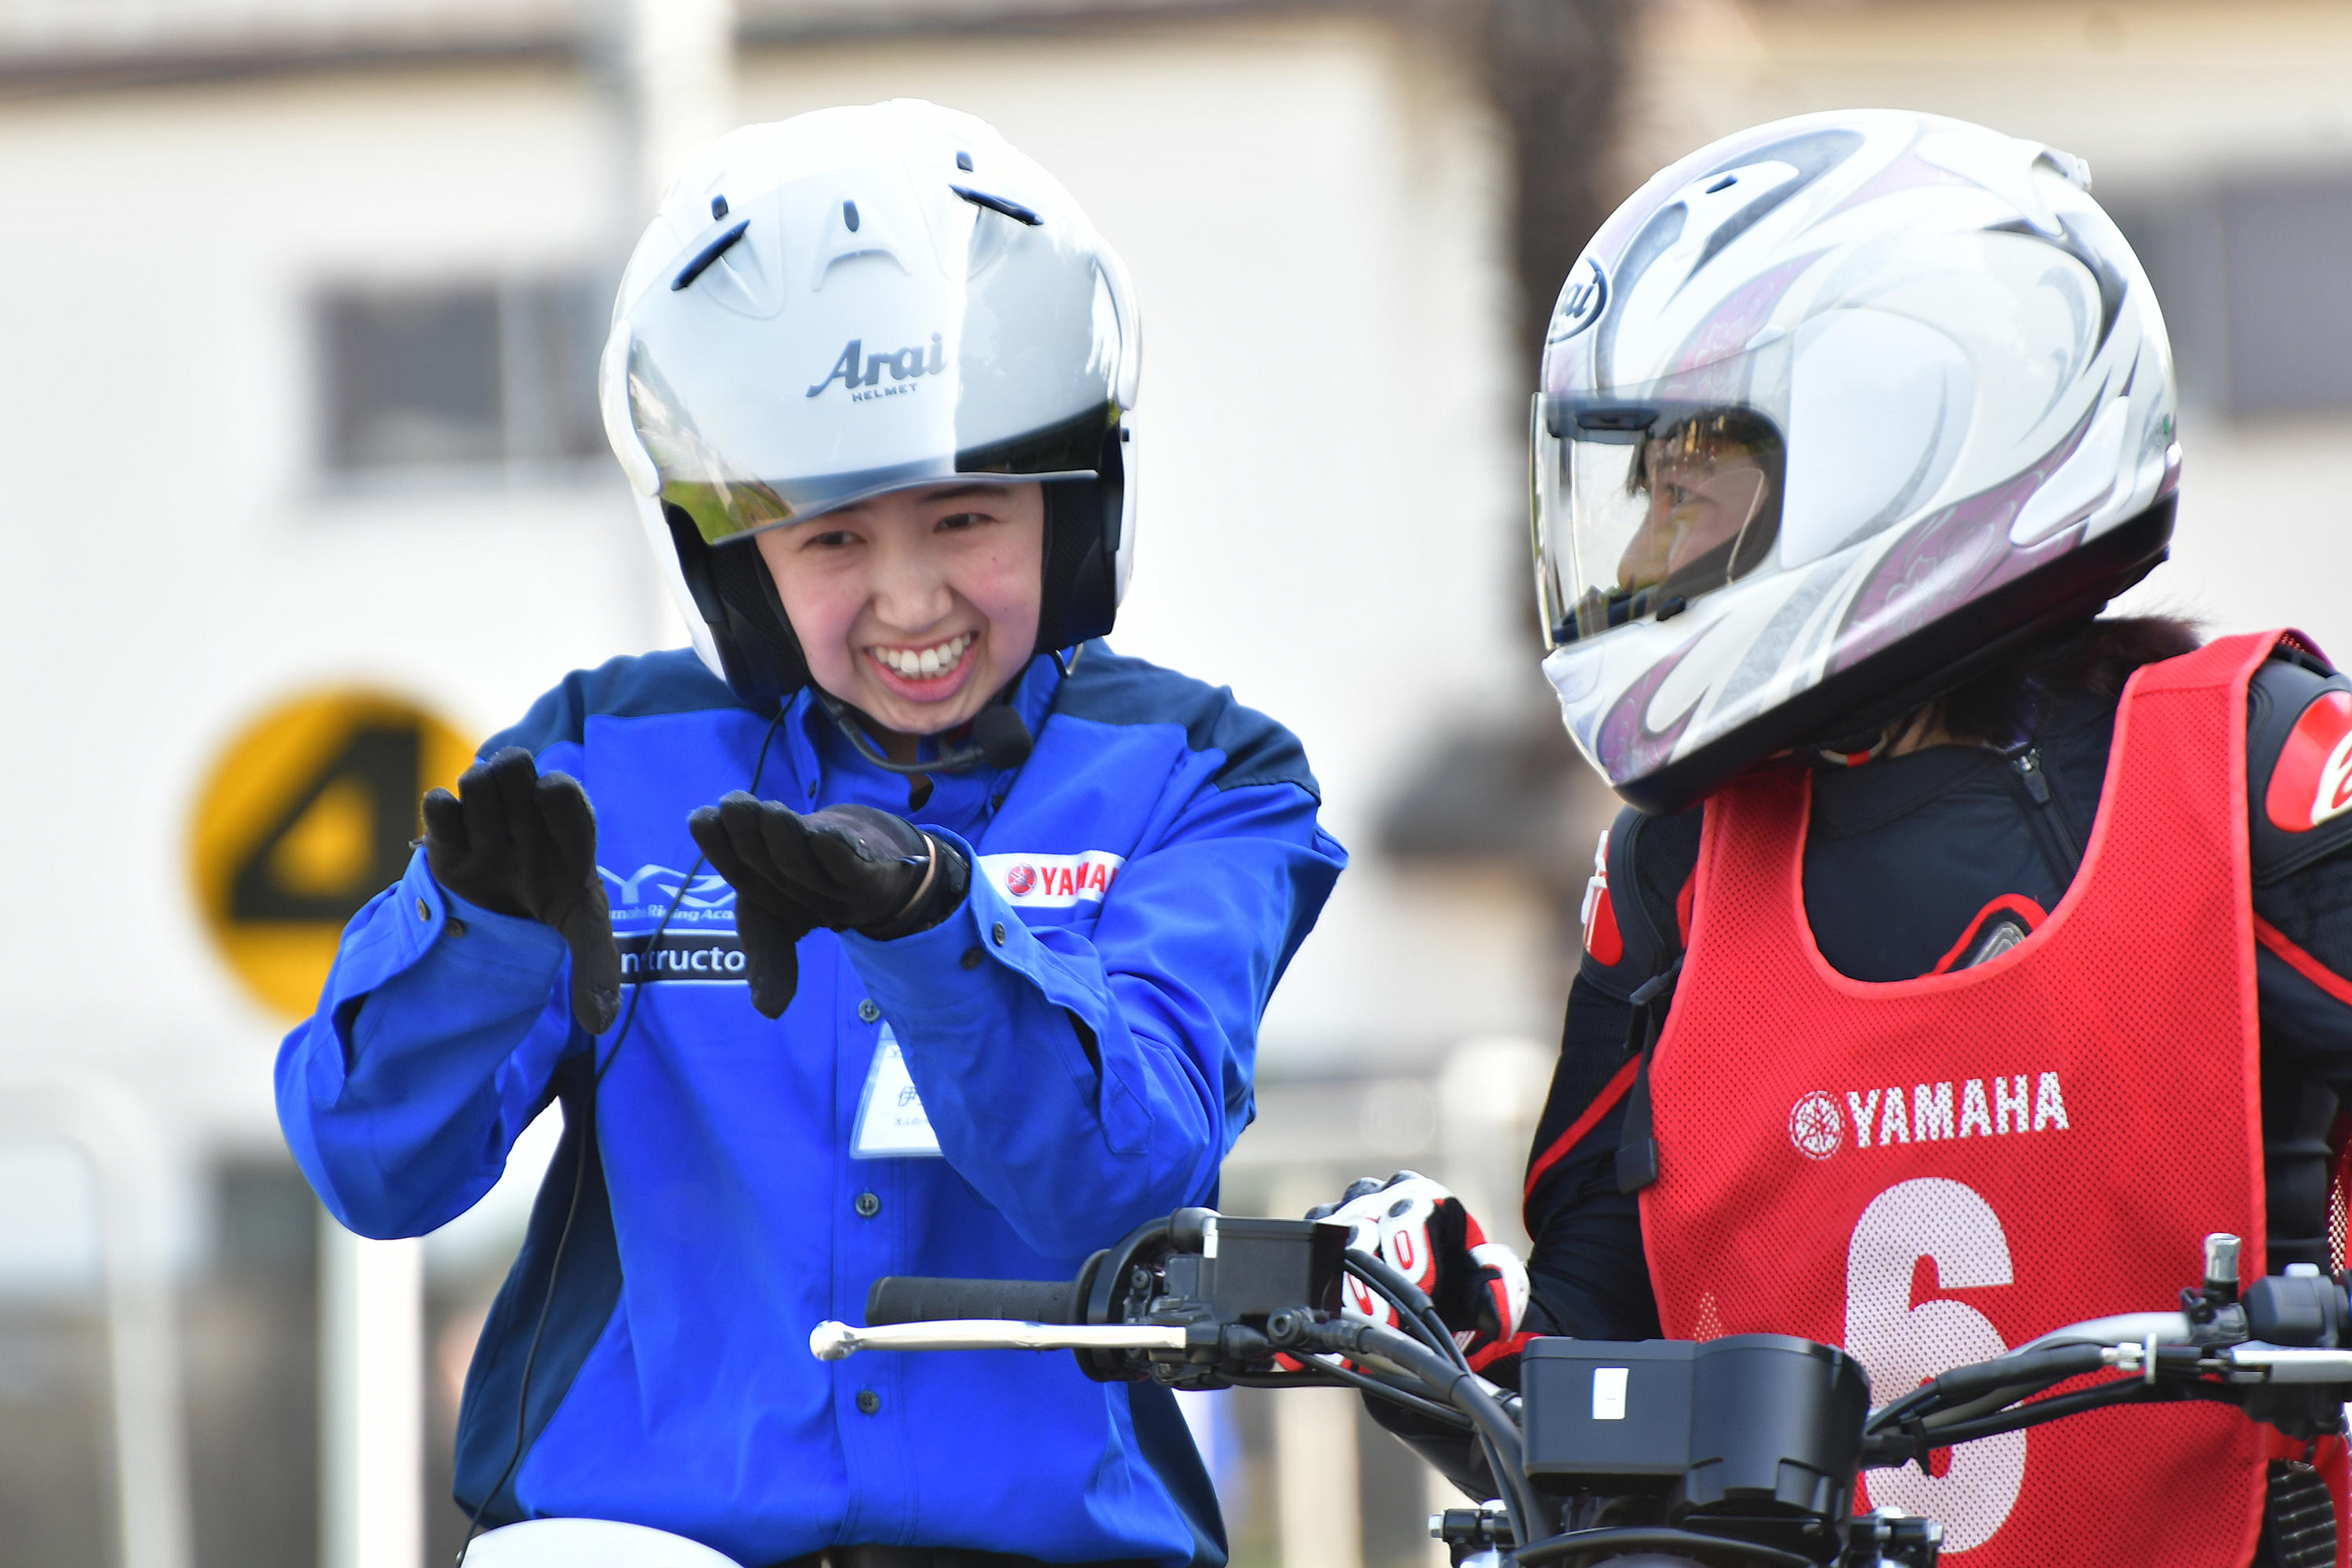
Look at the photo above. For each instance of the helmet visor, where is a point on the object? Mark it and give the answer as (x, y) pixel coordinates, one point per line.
(862, 331)
(729, 496)
(1640, 506)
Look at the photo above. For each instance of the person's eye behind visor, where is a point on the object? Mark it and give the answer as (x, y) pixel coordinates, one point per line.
(1640, 508)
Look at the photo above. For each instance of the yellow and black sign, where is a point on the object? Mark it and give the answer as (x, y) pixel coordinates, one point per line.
(309, 815)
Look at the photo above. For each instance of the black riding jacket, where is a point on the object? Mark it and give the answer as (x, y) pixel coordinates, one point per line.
(1903, 859)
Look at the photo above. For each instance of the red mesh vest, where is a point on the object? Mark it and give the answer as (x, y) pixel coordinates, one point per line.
(1929, 1172)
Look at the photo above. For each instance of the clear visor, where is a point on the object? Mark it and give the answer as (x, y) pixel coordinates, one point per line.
(1642, 506)
(730, 498)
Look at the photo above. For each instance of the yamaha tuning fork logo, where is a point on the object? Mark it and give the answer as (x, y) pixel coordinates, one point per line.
(1814, 1127)
(2000, 1105)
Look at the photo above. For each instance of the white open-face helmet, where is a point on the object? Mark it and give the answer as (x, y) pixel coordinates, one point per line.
(856, 301)
(1833, 413)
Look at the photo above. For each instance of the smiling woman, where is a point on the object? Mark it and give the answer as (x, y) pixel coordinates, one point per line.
(983, 1020)
(918, 607)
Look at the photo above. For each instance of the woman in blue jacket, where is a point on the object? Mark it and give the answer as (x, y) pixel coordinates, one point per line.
(911, 929)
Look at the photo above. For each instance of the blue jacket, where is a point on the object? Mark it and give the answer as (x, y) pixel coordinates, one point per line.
(1081, 1033)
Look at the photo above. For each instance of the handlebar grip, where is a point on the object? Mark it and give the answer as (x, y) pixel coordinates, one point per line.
(908, 1300)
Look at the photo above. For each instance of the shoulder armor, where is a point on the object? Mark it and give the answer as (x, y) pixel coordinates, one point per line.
(1105, 687)
(1644, 862)
(2298, 763)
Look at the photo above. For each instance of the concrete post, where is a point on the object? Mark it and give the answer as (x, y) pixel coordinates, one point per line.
(371, 1400)
(114, 1131)
(678, 61)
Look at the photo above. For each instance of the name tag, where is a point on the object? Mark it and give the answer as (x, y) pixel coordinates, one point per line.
(890, 1120)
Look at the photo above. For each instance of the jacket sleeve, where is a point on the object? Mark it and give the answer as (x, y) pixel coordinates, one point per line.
(1587, 1271)
(1084, 1083)
(433, 1046)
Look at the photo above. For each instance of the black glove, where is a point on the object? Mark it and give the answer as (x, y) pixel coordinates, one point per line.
(846, 867)
(517, 843)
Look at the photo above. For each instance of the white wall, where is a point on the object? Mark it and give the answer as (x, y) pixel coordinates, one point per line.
(2155, 90)
(1312, 213)
(1314, 217)
(176, 562)
(2161, 97)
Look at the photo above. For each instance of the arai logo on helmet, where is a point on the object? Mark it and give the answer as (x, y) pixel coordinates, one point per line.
(861, 372)
(1581, 300)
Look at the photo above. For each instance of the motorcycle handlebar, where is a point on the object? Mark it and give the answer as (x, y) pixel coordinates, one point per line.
(831, 1340)
(1200, 1300)
(912, 1300)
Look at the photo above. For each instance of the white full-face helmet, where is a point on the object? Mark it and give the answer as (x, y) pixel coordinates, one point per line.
(856, 301)
(1833, 413)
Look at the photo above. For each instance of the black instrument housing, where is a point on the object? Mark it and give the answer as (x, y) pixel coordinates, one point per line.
(1753, 1427)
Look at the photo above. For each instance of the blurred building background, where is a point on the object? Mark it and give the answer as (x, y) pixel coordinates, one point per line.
(301, 305)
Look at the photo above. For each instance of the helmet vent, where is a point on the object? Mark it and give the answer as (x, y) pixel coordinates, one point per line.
(963, 161)
(707, 255)
(849, 215)
(1723, 184)
(997, 204)
(717, 208)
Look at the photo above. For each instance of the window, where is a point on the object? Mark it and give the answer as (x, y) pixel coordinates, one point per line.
(2289, 331)
(2249, 273)
(486, 375)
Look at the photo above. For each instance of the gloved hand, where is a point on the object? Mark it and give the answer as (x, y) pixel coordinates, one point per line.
(520, 844)
(1420, 1229)
(844, 867)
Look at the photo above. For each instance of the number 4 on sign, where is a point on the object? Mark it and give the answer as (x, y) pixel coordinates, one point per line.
(306, 816)
(1901, 1346)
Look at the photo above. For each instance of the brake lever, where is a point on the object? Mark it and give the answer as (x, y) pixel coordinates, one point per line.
(832, 1341)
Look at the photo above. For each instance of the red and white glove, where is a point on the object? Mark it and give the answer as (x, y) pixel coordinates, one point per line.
(1420, 1229)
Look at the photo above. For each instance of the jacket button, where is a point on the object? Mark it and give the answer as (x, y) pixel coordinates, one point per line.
(868, 1402)
(996, 933)
(867, 1011)
(452, 926)
(972, 957)
(869, 1205)
(424, 910)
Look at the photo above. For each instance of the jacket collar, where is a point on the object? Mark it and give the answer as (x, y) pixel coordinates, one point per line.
(813, 746)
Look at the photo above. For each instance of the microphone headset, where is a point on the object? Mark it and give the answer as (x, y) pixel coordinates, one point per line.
(580, 1175)
(997, 738)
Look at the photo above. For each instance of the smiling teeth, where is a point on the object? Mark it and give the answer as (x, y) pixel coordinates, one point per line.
(922, 664)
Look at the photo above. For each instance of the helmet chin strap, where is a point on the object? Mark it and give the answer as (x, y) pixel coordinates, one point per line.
(999, 739)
